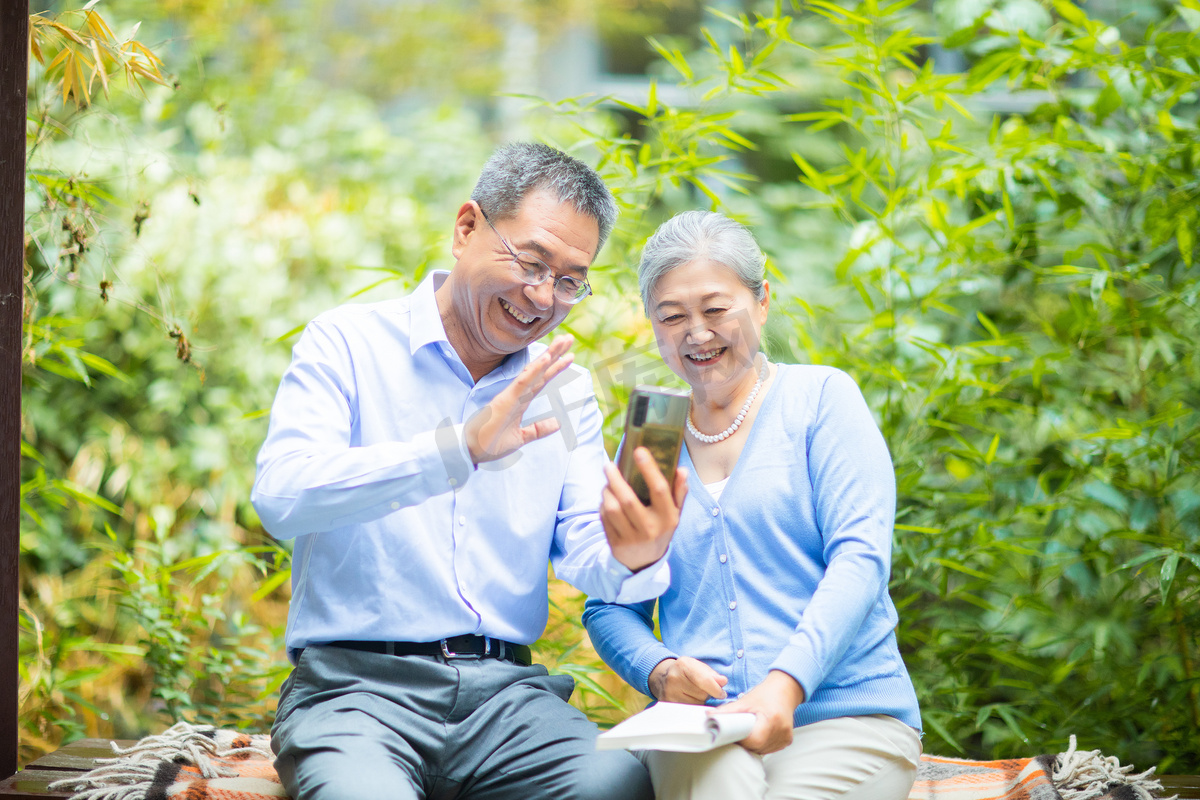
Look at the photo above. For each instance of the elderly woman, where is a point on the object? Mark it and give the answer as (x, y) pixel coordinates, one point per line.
(778, 602)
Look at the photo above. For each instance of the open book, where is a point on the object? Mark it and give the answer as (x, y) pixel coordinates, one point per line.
(677, 727)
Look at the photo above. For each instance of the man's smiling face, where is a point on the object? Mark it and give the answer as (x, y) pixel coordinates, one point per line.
(489, 312)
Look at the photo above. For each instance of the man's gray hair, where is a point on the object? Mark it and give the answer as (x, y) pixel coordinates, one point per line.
(701, 235)
(520, 168)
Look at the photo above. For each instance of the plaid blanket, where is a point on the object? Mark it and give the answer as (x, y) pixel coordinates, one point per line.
(198, 762)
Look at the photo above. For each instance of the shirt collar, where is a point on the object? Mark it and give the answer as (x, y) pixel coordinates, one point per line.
(426, 321)
(426, 325)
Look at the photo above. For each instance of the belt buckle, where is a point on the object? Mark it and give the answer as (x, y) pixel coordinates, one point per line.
(449, 654)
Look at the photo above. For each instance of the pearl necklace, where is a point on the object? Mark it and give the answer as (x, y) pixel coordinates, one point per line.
(737, 421)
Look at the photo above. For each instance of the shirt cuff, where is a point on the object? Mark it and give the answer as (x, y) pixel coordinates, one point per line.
(448, 464)
(645, 584)
(645, 664)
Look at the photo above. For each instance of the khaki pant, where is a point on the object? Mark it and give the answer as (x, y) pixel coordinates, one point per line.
(849, 758)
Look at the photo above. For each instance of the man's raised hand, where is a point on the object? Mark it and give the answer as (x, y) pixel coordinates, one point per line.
(495, 430)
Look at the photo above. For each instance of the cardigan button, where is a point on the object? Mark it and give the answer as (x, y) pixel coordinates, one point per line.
(724, 558)
(732, 605)
(716, 511)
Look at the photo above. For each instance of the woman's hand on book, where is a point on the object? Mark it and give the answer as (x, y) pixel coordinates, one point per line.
(773, 702)
(686, 680)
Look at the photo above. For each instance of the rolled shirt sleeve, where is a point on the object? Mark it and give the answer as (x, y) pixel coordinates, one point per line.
(310, 479)
(581, 554)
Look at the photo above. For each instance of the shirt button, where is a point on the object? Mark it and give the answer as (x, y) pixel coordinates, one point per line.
(724, 558)
(740, 652)
(452, 482)
(732, 605)
(395, 505)
(462, 520)
(716, 511)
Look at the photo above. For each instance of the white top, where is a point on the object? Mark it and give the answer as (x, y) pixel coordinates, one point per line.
(716, 487)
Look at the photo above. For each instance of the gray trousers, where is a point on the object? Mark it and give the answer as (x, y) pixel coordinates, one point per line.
(367, 726)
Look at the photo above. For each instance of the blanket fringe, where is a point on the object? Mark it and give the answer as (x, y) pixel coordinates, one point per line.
(129, 775)
(1088, 776)
(133, 791)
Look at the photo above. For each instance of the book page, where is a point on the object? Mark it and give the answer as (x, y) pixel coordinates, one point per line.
(730, 728)
(677, 727)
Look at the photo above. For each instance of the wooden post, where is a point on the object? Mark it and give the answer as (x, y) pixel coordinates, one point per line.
(14, 76)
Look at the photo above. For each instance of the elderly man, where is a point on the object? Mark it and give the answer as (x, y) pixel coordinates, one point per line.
(412, 457)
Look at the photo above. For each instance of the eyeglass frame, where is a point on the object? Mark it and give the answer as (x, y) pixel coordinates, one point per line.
(558, 279)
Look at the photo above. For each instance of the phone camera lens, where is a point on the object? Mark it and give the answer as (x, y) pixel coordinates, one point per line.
(639, 410)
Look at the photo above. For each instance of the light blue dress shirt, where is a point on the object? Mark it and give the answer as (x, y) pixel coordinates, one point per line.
(397, 536)
(788, 569)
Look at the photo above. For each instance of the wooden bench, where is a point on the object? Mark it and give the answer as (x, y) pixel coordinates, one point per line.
(81, 756)
(72, 759)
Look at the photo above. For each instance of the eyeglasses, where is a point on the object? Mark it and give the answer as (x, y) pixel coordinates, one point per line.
(535, 272)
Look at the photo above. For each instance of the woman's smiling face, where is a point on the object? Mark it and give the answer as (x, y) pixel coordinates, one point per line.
(708, 325)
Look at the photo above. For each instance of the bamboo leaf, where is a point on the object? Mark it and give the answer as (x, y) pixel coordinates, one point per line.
(836, 12)
(736, 65)
(99, 68)
(1070, 12)
(35, 45)
(963, 568)
(673, 57)
(916, 528)
(273, 582)
(62, 56)
(67, 32)
(814, 177)
(1185, 237)
(86, 496)
(98, 26)
(68, 73)
(988, 324)
(81, 82)
(990, 455)
(1166, 575)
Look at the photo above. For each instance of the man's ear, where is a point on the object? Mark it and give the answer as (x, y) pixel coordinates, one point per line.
(465, 224)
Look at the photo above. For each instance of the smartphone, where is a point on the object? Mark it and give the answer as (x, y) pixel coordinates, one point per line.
(654, 420)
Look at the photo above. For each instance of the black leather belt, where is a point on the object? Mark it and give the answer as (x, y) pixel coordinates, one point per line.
(465, 646)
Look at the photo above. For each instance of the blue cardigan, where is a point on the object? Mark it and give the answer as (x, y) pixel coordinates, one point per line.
(789, 570)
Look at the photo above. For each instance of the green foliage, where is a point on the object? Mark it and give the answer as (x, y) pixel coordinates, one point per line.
(164, 285)
(205, 662)
(1030, 304)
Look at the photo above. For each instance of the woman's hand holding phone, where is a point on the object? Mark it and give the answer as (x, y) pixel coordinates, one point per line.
(639, 534)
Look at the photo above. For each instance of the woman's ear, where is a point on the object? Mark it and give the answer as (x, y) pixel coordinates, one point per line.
(765, 304)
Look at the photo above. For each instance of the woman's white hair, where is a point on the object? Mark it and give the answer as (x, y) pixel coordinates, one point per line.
(696, 236)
